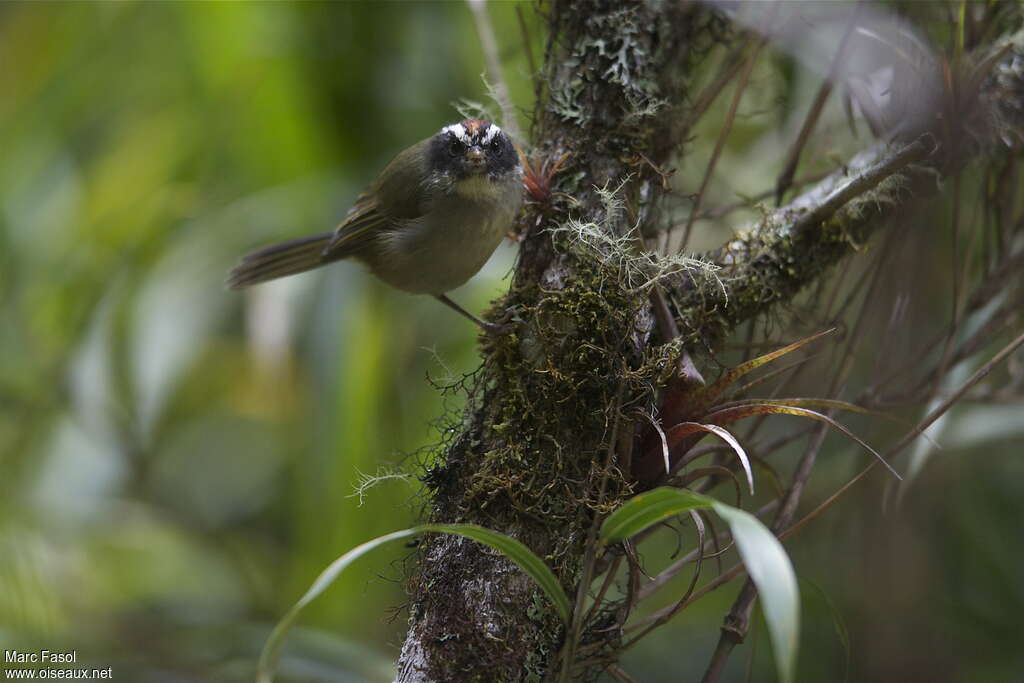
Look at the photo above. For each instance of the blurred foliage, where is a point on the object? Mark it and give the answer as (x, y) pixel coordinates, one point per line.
(178, 461)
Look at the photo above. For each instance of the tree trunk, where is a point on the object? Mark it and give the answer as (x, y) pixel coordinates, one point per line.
(532, 456)
(545, 446)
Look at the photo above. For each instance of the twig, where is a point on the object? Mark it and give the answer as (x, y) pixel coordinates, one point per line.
(720, 142)
(708, 95)
(616, 672)
(736, 624)
(528, 51)
(493, 60)
(748, 202)
(785, 179)
(909, 437)
(675, 609)
(865, 182)
(738, 569)
(605, 585)
(572, 637)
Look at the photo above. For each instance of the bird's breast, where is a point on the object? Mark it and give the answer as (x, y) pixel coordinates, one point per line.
(441, 250)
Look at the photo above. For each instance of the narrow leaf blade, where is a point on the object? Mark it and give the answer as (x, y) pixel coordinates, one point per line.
(771, 571)
(272, 649)
(730, 376)
(832, 404)
(727, 415)
(647, 509)
(727, 437)
(763, 555)
(508, 546)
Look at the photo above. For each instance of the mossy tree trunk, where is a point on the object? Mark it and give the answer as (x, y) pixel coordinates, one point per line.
(532, 459)
(545, 447)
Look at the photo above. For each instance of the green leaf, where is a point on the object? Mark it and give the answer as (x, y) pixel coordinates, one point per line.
(762, 553)
(508, 546)
(272, 649)
(649, 508)
(771, 571)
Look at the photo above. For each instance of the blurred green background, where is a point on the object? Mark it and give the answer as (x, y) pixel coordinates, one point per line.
(178, 462)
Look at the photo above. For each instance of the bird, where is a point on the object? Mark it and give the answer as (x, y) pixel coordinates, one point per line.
(426, 225)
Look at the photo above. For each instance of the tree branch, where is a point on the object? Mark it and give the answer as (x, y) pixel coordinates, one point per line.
(797, 244)
(828, 204)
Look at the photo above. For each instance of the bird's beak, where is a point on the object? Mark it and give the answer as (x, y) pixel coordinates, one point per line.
(475, 158)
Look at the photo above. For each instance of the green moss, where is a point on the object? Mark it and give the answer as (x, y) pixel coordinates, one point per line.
(537, 455)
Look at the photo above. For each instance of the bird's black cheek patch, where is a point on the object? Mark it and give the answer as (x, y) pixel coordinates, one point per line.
(440, 159)
(504, 160)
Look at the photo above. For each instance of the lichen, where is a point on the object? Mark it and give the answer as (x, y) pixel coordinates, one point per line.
(537, 454)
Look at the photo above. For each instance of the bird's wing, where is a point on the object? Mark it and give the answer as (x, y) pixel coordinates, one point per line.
(358, 228)
(399, 188)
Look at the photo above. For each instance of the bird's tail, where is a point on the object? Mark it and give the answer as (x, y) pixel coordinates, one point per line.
(279, 260)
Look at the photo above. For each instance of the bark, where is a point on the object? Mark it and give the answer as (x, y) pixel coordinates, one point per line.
(531, 457)
(544, 448)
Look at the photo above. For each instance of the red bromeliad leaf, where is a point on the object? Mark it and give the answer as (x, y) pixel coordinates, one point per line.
(728, 415)
(714, 390)
(664, 443)
(830, 403)
(741, 391)
(676, 434)
(683, 403)
(801, 403)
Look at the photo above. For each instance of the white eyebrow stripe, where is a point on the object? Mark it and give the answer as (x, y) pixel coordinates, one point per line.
(458, 131)
(492, 130)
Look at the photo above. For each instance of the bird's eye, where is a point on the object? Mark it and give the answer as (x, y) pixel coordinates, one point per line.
(455, 147)
(495, 144)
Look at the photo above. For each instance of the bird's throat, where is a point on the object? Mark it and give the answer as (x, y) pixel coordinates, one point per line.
(478, 187)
